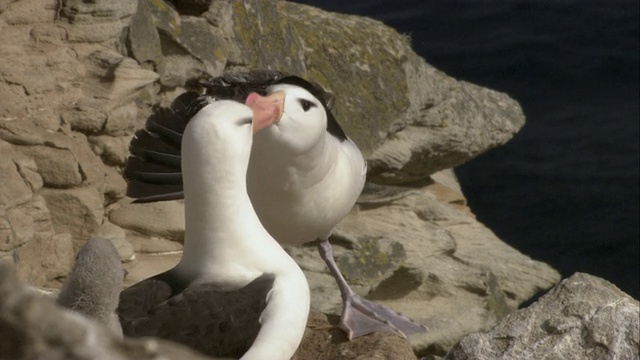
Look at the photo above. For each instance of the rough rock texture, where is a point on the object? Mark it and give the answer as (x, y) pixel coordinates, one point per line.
(583, 317)
(409, 118)
(78, 77)
(323, 340)
(33, 327)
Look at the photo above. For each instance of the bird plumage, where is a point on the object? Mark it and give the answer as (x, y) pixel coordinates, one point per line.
(304, 176)
(235, 285)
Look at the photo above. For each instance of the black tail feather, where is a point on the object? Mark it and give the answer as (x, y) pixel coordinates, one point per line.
(171, 160)
(159, 178)
(141, 190)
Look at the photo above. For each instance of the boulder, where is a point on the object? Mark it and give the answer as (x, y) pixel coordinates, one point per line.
(33, 327)
(45, 259)
(96, 21)
(323, 340)
(112, 150)
(409, 119)
(58, 167)
(117, 236)
(78, 77)
(181, 48)
(19, 224)
(583, 317)
(429, 260)
(18, 176)
(66, 160)
(161, 219)
(78, 211)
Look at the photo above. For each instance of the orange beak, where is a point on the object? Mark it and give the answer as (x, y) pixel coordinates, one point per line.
(267, 110)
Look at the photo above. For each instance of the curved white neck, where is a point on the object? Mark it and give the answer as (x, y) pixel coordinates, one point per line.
(220, 223)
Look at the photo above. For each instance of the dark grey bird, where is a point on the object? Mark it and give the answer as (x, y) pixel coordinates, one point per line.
(93, 286)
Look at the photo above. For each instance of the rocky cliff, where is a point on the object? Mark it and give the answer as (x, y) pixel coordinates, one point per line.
(77, 78)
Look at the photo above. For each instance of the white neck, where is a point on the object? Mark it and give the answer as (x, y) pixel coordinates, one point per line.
(224, 239)
(306, 168)
(220, 221)
(223, 235)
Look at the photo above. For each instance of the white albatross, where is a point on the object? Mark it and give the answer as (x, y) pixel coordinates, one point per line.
(304, 176)
(235, 292)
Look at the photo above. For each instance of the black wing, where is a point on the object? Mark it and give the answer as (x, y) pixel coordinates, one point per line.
(213, 321)
(153, 170)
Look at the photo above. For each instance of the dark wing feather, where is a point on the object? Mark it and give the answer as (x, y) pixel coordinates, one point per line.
(203, 317)
(153, 171)
(145, 192)
(238, 85)
(138, 300)
(154, 167)
(138, 169)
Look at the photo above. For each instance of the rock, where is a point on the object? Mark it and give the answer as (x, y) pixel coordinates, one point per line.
(40, 72)
(118, 238)
(427, 259)
(220, 17)
(115, 186)
(58, 167)
(323, 340)
(96, 21)
(78, 211)
(30, 12)
(87, 116)
(28, 240)
(190, 48)
(19, 224)
(36, 328)
(583, 317)
(144, 40)
(44, 259)
(468, 122)
(83, 74)
(155, 246)
(162, 219)
(112, 150)
(147, 265)
(74, 147)
(17, 176)
(129, 80)
(121, 119)
(409, 119)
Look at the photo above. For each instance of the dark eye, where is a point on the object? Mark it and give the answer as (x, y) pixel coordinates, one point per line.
(306, 104)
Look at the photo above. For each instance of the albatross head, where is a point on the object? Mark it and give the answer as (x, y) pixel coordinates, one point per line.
(302, 122)
(221, 130)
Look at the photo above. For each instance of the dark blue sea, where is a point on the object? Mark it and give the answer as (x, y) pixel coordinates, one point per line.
(565, 190)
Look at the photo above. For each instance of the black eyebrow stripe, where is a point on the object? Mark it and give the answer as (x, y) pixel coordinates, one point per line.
(333, 127)
(301, 101)
(243, 121)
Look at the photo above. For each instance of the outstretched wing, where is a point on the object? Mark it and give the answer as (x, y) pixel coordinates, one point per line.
(153, 171)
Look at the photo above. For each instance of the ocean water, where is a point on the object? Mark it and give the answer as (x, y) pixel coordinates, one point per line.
(565, 190)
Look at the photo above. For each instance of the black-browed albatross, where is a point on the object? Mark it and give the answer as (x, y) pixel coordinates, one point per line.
(304, 176)
(235, 292)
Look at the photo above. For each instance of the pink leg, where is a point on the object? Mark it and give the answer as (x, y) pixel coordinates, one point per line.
(361, 316)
